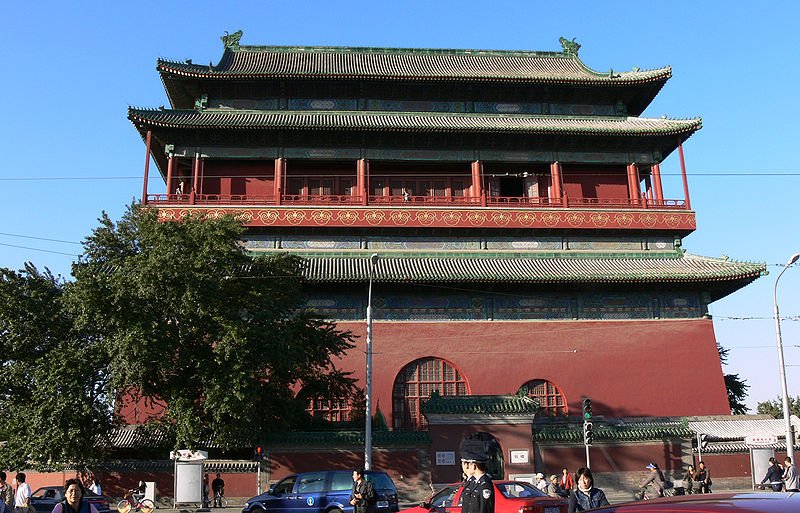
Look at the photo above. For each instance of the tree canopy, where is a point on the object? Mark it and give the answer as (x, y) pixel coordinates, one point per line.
(53, 383)
(175, 314)
(736, 386)
(775, 408)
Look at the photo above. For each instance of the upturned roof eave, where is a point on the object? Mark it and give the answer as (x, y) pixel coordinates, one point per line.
(216, 119)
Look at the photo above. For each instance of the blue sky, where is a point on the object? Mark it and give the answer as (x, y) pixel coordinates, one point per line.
(72, 69)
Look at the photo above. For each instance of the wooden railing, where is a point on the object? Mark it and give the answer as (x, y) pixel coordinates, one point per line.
(413, 201)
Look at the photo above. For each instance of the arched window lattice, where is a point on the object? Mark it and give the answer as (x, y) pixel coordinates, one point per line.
(415, 383)
(551, 400)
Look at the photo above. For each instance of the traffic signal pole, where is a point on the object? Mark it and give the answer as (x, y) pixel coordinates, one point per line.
(588, 435)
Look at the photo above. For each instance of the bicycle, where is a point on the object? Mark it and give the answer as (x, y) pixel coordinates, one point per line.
(130, 503)
(220, 500)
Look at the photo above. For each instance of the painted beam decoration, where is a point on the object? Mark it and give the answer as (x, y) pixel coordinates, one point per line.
(443, 218)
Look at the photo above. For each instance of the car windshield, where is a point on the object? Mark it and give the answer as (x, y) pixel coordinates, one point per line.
(519, 490)
(380, 481)
(46, 493)
(444, 497)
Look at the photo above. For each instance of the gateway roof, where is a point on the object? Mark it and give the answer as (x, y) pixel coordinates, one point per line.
(416, 122)
(240, 62)
(526, 269)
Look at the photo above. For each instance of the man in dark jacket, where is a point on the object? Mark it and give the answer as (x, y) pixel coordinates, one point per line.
(478, 494)
(363, 494)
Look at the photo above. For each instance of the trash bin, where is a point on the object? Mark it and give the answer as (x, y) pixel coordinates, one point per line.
(150, 491)
(188, 476)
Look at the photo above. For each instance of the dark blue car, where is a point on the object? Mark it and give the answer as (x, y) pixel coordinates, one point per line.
(326, 491)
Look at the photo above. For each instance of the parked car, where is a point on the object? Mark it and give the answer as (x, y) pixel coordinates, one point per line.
(772, 502)
(326, 491)
(509, 497)
(45, 498)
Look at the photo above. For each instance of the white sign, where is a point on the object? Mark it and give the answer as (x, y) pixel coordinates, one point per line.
(761, 440)
(445, 458)
(518, 457)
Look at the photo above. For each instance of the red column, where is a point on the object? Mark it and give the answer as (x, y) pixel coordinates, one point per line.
(195, 177)
(363, 173)
(685, 180)
(278, 190)
(633, 195)
(637, 184)
(170, 166)
(555, 183)
(146, 166)
(656, 172)
(361, 180)
(477, 179)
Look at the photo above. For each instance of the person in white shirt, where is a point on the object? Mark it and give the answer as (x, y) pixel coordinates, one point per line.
(22, 499)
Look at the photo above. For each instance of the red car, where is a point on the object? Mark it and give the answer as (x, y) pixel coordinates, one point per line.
(509, 497)
(770, 502)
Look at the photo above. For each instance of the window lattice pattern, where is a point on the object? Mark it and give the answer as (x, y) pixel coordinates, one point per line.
(551, 400)
(331, 410)
(416, 382)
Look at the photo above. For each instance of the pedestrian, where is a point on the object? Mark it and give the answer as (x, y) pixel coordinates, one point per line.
(586, 496)
(688, 480)
(6, 495)
(218, 487)
(774, 476)
(656, 479)
(479, 494)
(540, 483)
(553, 490)
(94, 484)
(22, 499)
(703, 478)
(790, 475)
(73, 493)
(362, 497)
(566, 482)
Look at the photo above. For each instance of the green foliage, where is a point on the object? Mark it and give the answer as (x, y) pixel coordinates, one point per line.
(53, 379)
(189, 320)
(775, 408)
(736, 386)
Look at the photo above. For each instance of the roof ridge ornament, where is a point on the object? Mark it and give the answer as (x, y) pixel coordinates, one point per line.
(232, 40)
(569, 47)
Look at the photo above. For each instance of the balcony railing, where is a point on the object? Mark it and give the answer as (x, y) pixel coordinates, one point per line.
(414, 201)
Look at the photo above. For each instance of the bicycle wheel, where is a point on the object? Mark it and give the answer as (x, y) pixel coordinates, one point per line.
(223, 502)
(124, 506)
(147, 506)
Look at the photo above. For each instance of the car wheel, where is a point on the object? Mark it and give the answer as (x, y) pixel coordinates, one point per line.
(334, 510)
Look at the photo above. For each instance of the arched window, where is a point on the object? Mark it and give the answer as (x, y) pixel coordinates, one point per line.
(416, 382)
(551, 400)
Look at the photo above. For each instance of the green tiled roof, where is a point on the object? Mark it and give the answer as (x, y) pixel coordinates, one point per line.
(392, 268)
(411, 122)
(616, 433)
(347, 438)
(480, 404)
(248, 62)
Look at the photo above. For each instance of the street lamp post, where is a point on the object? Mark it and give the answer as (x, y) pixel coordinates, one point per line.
(784, 389)
(373, 260)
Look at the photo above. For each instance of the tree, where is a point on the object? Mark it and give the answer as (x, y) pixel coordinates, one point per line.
(775, 408)
(736, 386)
(53, 379)
(188, 318)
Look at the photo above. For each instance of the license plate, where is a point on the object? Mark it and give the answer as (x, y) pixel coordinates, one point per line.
(385, 504)
(552, 509)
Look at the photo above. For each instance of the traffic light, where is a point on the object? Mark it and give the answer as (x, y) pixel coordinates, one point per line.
(587, 409)
(588, 435)
(258, 452)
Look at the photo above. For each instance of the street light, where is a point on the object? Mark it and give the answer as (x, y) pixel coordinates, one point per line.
(786, 415)
(373, 261)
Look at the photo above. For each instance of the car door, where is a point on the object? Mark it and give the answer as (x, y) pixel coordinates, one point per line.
(309, 493)
(282, 498)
